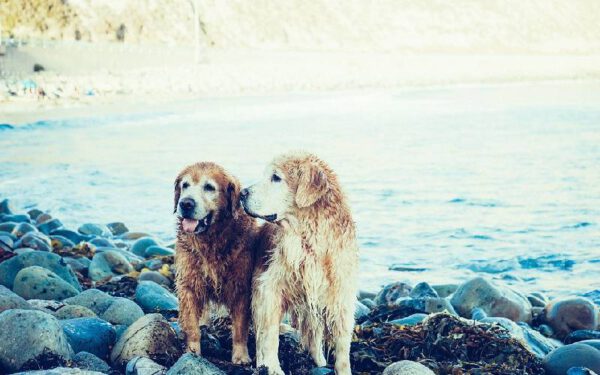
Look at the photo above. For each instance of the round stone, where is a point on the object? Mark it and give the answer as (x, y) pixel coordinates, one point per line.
(108, 264)
(139, 246)
(29, 337)
(569, 314)
(39, 283)
(560, 360)
(407, 368)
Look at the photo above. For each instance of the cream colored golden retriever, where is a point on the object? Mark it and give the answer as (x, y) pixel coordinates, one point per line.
(311, 270)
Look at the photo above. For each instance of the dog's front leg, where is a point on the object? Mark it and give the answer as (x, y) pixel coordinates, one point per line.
(191, 309)
(239, 319)
(267, 311)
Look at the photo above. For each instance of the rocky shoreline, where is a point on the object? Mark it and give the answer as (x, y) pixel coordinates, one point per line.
(100, 299)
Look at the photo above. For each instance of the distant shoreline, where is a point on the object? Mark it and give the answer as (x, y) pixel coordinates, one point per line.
(83, 81)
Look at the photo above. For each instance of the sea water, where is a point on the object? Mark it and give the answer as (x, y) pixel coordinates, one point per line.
(444, 183)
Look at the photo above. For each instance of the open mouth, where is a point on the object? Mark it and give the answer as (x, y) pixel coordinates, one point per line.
(196, 226)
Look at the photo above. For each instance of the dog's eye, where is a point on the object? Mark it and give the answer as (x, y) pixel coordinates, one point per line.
(209, 187)
(275, 178)
(185, 185)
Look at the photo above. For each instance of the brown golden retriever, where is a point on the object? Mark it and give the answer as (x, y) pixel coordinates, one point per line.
(311, 269)
(215, 253)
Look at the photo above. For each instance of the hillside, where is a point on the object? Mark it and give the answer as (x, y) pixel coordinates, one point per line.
(411, 26)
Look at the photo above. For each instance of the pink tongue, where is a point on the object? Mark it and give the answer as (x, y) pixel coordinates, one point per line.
(189, 225)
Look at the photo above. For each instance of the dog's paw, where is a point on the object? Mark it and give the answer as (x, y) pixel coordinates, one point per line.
(193, 347)
(240, 359)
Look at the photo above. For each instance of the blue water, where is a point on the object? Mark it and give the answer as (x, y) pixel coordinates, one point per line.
(444, 183)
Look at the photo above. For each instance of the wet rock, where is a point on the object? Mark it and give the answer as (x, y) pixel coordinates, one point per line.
(23, 228)
(90, 335)
(50, 261)
(122, 311)
(47, 306)
(61, 371)
(49, 226)
(569, 314)
(423, 290)
(88, 361)
(144, 366)
(580, 371)
(410, 320)
(391, 292)
(71, 235)
(478, 314)
(34, 240)
(592, 343)
(42, 218)
(117, 228)
(34, 213)
(407, 368)
(560, 360)
(90, 229)
(322, 371)
(139, 246)
(39, 283)
(194, 364)
(10, 300)
(584, 334)
(361, 311)
(362, 294)
(108, 264)
(7, 241)
(34, 337)
(154, 298)
(132, 236)
(157, 277)
(426, 305)
(131, 258)
(150, 336)
(8, 227)
(80, 265)
(536, 301)
(494, 300)
(545, 330)
(536, 342)
(101, 242)
(15, 218)
(73, 311)
(444, 290)
(153, 251)
(6, 207)
(60, 242)
(93, 299)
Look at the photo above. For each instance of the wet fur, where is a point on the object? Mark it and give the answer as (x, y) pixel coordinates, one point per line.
(311, 270)
(216, 266)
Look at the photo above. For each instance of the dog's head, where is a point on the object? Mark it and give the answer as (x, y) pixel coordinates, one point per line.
(205, 194)
(291, 182)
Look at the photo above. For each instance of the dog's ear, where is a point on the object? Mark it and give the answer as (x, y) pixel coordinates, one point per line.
(233, 198)
(177, 192)
(312, 185)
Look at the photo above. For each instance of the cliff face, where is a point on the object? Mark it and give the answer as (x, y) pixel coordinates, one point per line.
(430, 26)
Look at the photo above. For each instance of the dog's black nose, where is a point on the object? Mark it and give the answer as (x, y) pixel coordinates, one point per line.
(244, 193)
(187, 204)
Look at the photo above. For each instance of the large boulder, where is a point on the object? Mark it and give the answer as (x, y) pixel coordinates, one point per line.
(194, 364)
(150, 336)
(10, 300)
(560, 360)
(30, 337)
(90, 335)
(39, 283)
(50, 261)
(569, 314)
(108, 264)
(494, 300)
